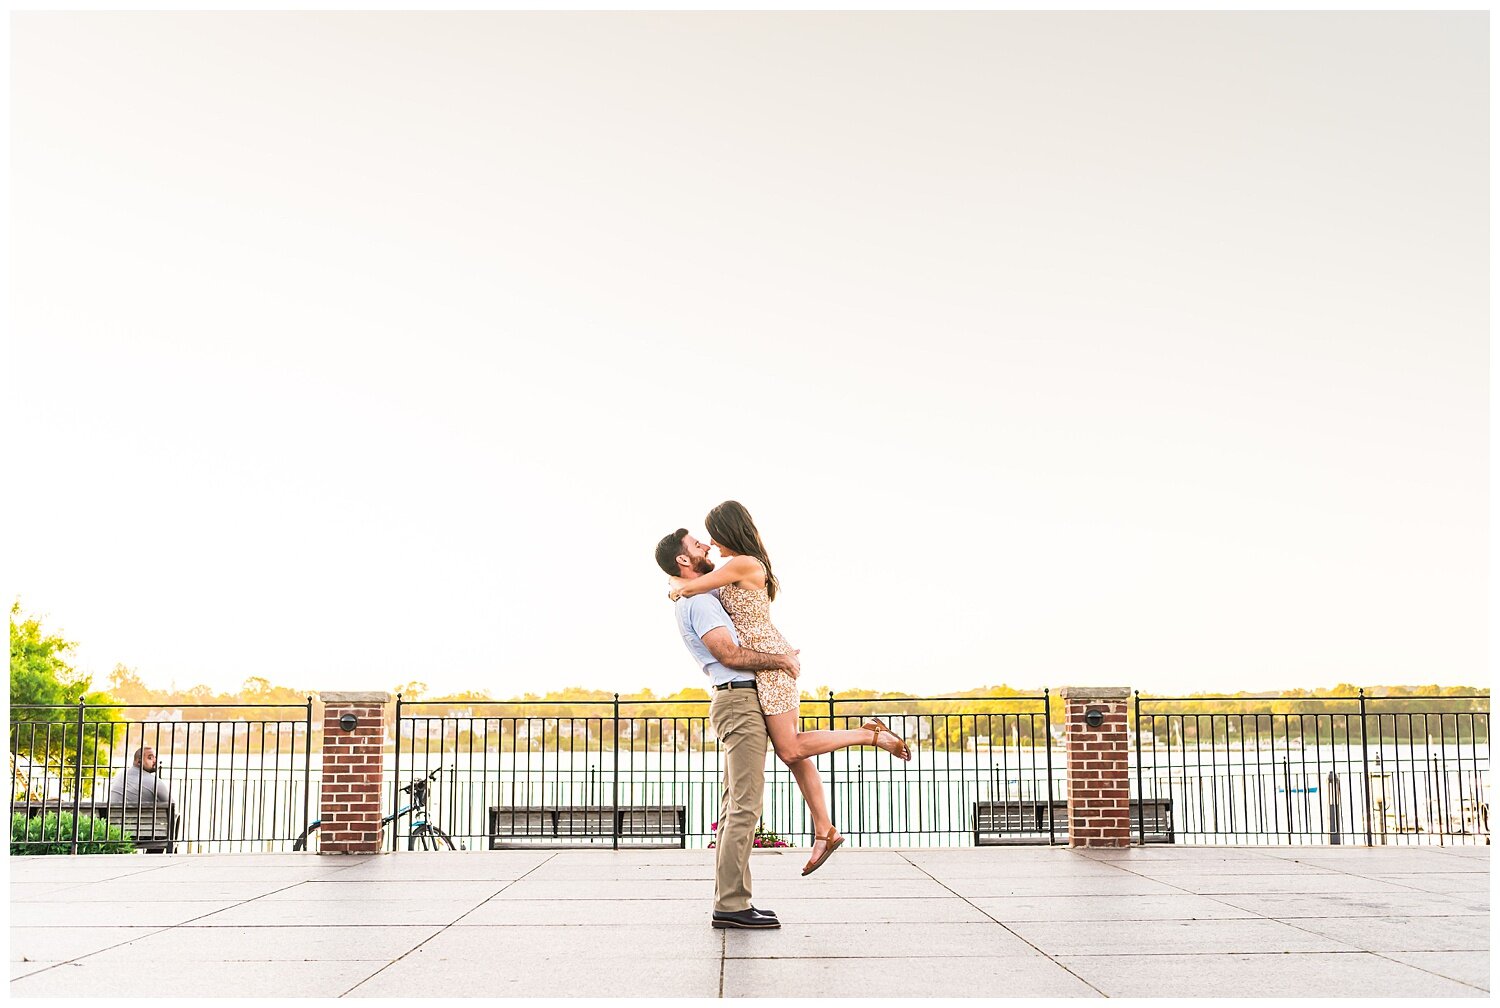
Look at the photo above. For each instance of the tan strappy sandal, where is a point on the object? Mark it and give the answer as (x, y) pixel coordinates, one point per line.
(875, 726)
(834, 842)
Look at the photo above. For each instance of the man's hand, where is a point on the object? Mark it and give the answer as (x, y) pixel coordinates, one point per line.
(791, 663)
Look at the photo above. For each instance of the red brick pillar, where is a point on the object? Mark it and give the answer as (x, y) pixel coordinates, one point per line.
(1098, 766)
(353, 772)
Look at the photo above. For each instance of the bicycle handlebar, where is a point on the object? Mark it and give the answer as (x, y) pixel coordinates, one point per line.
(422, 780)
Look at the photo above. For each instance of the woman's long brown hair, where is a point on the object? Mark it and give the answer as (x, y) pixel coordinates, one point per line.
(731, 525)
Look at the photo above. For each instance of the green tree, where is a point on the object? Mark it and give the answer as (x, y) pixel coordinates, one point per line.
(39, 670)
(44, 692)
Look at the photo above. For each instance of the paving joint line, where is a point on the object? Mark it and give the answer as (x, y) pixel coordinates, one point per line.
(453, 923)
(1380, 954)
(723, 958)
(1005, 928)
(69, 962)
(163, 929)
(1288, 921)
(1279, 920)
(1387, 958)
(1291, 922)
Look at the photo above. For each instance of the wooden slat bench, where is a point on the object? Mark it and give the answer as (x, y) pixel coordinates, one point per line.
(587, 825)
(1026, 822)
(152, 827)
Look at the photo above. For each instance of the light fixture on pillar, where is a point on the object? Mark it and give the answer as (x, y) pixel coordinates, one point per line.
(348, 722)
(1094, 716)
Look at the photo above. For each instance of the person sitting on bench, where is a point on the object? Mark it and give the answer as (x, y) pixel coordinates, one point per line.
(139, 784)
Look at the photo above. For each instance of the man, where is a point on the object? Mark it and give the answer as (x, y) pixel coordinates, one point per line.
(737, 722)
(138, 784)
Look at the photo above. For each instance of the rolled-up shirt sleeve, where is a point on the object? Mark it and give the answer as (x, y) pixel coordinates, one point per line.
(706, 614)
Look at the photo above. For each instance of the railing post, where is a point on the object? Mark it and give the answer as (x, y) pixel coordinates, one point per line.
(1287, 760)
(1364, 750)
(833, 799)
(1047, 718)
(614, 816)
(396, 769)
(1140, 779)
(1335, 827)
(307, 769)
(77, 780)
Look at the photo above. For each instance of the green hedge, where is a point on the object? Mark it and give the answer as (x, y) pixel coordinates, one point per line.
(53, 834)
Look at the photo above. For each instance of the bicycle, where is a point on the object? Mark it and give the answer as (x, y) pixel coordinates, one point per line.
(424, 835)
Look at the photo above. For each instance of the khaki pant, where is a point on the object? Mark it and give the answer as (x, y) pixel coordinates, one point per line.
(741, 729)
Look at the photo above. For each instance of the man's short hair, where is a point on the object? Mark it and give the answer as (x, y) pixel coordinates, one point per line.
(669, 549)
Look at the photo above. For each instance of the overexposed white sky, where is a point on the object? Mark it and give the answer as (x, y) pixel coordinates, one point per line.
(1141, 349)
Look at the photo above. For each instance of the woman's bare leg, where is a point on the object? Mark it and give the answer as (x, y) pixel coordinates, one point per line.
(811, 786)
(789, 749)
(792, 745)
(795, 749)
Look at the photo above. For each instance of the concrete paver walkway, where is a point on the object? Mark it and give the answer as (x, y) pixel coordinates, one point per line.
(1007, 922)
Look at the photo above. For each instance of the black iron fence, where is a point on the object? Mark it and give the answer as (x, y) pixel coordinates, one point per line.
(623, 773)
(227, 778)
(1297, 770)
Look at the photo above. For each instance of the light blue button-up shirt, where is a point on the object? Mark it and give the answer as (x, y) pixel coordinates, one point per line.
(697, 616)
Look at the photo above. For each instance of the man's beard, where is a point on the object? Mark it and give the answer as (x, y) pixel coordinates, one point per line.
(703, 566)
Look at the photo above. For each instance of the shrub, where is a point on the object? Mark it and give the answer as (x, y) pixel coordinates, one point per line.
(53, 834)
(763, 836)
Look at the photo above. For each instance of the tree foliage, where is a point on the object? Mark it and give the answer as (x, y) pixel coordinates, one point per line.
(44, 692)
(39, 668)
(128, 687)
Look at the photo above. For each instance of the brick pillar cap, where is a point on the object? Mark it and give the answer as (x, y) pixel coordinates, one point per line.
(1095, 692)
(366, 696)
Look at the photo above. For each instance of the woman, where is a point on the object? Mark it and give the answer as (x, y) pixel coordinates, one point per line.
(746, 588)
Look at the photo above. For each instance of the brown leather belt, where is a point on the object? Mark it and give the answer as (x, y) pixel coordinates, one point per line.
(737, 684)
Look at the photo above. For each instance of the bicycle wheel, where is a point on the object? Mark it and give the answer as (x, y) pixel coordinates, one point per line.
(308, 841)
(429, 837)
